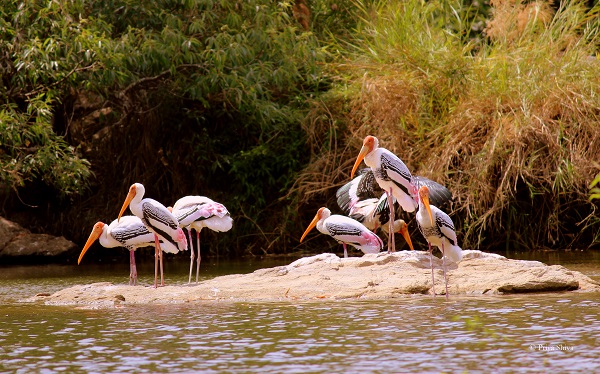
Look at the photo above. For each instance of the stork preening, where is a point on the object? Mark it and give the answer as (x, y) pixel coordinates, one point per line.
(363, 200)
(159, 221)
(129, 232)
(196, 212)
(438, 229)
(393, 177)
(345, 230)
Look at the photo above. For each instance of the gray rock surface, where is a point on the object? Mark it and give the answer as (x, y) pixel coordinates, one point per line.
(326, 276)
(18, 242)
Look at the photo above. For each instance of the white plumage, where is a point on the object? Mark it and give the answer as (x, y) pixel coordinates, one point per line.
(158, 219)
(438, 229)
(129, 232)
(197, 212)
(345, 230)
(393, 177)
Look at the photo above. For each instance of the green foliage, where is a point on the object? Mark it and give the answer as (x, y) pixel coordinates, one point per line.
(188, 97)
(40, 57)
(595, 188)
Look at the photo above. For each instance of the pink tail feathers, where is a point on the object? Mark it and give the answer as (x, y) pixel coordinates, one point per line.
(372, 243)
(181, 240)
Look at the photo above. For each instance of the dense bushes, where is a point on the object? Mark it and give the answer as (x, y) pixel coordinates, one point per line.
(234, 100)
(509, 123)
(195, 97)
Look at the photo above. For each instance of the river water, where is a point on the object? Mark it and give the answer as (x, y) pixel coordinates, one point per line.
(557, 332)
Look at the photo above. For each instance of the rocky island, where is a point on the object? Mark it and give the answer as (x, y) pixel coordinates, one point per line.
(327, 276)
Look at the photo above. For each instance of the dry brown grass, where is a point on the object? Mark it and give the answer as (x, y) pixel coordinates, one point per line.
(516, 137)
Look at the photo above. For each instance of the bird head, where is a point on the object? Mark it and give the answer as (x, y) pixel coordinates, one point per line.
(401, 227)
(96, 232)
(424, 197)
(369, 144)
(322, 213)
(133, 191)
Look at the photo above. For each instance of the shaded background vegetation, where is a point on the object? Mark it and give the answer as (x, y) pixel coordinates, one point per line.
(239, 102)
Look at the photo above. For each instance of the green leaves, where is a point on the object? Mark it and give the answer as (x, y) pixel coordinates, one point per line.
(29, 150)
(595, 188)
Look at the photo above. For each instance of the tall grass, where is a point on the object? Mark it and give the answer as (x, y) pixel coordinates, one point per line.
(510, 122)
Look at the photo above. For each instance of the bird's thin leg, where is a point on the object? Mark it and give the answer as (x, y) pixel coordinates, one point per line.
(444, 266)
(391, 244)
(191, 254)
(156, 251)
(132, 268)
(431, 264)
(199, 258)
(345, 250)
(162, 278)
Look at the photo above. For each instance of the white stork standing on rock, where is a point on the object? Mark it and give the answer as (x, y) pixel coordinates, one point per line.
(158, 220)
(196, 212)
(363, 199)
(393, 177)
(346, 231)
(129, 232)
(438, 229)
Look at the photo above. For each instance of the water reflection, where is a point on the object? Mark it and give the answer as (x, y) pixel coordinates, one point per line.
(414, 335)
(544, 332)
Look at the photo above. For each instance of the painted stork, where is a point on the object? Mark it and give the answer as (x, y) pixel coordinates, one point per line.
(196, 212)
(158, 220)
(438, 229)
(346, 231)
(363, 200)
(129, 232)
(392, 175)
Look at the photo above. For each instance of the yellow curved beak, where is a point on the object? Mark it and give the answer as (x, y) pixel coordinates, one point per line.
(96, 232)
(128, 199)
(426, 203)
(404, 232)
(361, 156)
(311, 226)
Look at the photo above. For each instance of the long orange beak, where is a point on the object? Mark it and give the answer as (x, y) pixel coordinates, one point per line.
(425, 199)
(361, 156)
(404, 232)
(96, 232)
(312, 225)
(130, 196)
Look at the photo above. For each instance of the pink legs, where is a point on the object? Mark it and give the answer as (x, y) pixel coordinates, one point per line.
(157, 258)
(391, 239)
(191, 254)
(345, 250)
(431, 264)
(156, 255)
(199, 258)
(132, 269)
(444, 266)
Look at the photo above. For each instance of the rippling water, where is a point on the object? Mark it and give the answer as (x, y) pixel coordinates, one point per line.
(523, 333)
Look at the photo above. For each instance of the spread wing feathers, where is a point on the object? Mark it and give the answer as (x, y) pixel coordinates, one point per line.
(383, 209)
(346, 199)
(445, 226)
(156, 217)
(368, 187)
(438, 194)
(360, 188)
(363, 210)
